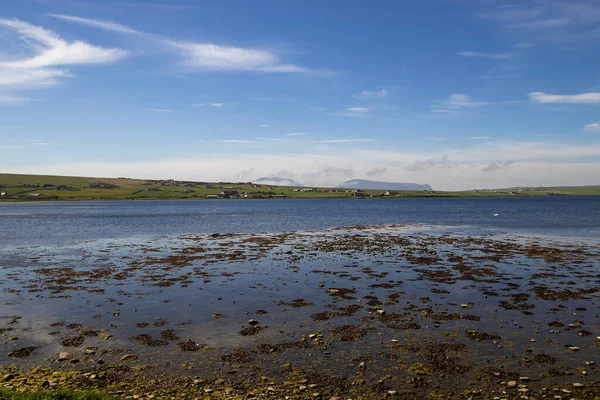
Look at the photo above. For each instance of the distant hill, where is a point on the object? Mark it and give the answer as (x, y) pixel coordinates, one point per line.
(274, 180)
(374, 185)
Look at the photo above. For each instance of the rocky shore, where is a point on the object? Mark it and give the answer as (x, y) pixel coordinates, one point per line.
(362, 313)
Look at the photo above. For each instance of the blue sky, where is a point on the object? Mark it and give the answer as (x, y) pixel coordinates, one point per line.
(456, 94)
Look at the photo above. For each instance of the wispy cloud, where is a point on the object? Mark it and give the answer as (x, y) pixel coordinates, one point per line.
(594, 127)
(493, 56)
(213, 57)
(561, 22)
(496, 166)
(54, 51)
(5, 99)
(524, 45)
(371, 94)
(264, 126)
(105, 25)
(455, 102)
(208, 105)
(296, 134)
(161, 110)
(583, 98)
(480, 138)
(233, 141)
(198, 56)
(47, 51)
(344, 141)
(422, 165)
(39, 142)
(354, 112)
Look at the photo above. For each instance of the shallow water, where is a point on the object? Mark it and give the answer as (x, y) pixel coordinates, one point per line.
(435, 305)
(433, 287)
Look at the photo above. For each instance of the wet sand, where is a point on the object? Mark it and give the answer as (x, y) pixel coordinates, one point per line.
(360, 312)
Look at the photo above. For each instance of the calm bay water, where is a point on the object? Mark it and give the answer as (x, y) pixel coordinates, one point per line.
(59, 223)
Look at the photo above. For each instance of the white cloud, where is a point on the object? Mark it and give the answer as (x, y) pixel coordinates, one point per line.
(455, 102)
(233, 141)
(161, 110)
(53, 50)
(39, 142)
(548, 163)
(197, 56)
(296, 134)
(495, 166)
(583, 98)
(421, 165)
(480, 138)
(344, 141)
(595, 127)
(524, 45)
(493, 56)
(109, 26)
(572, 23)
(31, 78)
(212, 57)
(5, 99)
(264, 126)
(208, 105)
(47, 52)
(354, 112)
(371, 94)
(541, 24)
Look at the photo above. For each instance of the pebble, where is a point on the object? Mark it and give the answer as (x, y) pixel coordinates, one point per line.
(512, 383)
(574, 348)
(64, 356)
(253, 322)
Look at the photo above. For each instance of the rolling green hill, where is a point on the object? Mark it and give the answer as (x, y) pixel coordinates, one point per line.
(46, 187)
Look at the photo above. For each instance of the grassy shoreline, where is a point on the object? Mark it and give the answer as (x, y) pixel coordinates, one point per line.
(19, 188)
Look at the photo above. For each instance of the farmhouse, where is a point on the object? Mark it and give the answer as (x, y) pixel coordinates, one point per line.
(229, 194)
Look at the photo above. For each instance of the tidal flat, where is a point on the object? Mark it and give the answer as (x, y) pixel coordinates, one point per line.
(363, 312)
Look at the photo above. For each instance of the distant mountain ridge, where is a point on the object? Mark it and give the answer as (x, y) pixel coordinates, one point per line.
(375, 185)
(278, 181)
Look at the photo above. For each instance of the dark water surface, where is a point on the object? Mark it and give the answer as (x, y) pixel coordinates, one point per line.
(58, 223)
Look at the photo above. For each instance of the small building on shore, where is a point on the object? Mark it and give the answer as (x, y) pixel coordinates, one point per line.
(229, 194)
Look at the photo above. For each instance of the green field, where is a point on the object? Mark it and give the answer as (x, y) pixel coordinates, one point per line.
(31, 188)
